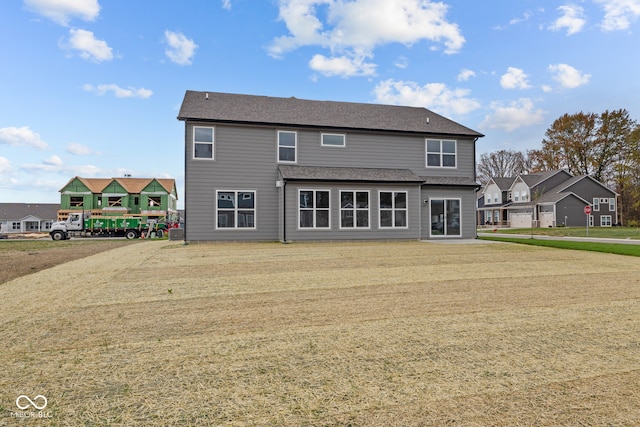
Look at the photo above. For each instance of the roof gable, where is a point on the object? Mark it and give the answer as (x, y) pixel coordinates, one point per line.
(235, 108)
(118, 185)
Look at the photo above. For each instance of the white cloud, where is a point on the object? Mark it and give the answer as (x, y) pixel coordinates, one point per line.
(341, 66)
(61, 11)
(90, 48)
(53, 161)
(514, 78)
(181, 49)
(568, 76)
(434, 96)
(80, 150)
(5, 166)
(354, 29)
(619, 14)
(510, 117)
(226, 4)
(23, 136)
(465, 75)
(55, 165)
(527, 15)
(572, 19)
(119, 92)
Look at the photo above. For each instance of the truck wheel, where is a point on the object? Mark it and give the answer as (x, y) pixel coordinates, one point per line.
(160, 234)
(131, 234)
(57, 235)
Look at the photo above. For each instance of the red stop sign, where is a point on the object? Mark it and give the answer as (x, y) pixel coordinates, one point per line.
(587, 210)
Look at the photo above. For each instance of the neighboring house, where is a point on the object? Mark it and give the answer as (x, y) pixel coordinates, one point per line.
(287, 169)
(27, 217)
(549, 199)
(150, 197)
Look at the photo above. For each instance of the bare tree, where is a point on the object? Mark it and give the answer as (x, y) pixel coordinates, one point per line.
(500, 164)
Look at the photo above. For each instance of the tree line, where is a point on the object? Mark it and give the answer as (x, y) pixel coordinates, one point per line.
(604, 146)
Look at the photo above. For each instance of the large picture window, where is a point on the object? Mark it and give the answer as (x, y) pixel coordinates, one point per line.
(202, 142)
(354, 209)
(236, 209)
(393, 209)
(313, 211)
(441, 153)
(287, 146)
(445, 217)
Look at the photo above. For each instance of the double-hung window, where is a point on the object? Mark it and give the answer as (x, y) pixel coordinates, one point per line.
(354, 209)
(287, 146)
(393, 209)
(441, 153)
(596, 204)
(612, 204)
(313, 209)
(202, 142)
(236, 209)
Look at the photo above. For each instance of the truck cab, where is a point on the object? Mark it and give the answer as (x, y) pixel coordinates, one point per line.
(60, 229)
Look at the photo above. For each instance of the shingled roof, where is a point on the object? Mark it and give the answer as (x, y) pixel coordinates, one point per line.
(321, 173)
(132, 185)
(252, 109)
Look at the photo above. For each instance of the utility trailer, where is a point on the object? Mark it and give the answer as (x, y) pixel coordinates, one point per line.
(129, 226)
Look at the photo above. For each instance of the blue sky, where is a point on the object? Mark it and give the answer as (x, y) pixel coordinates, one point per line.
(92, 87)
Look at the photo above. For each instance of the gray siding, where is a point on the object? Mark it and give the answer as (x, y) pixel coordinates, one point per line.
(335, 232)
(382, 151)
(245, 158)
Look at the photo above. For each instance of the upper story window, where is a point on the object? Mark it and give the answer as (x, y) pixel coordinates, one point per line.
(441, 153)
(612, 204)
(596, 204)
(287, 146)
(333, 140)
(202, 142)
(76, 201)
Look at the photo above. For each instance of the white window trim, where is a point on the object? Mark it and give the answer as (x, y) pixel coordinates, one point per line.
(236, 209)
(445, 199)
(212, 143)
(612, 204)
(426, 154)
(602, 217)
(295, 146)
(355, 210)
(596, 204)
(344, 140)
(314, 209)
(393, 210)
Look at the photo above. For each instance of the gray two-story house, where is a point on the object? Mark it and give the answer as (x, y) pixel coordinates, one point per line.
(287, 169)
(547, 199)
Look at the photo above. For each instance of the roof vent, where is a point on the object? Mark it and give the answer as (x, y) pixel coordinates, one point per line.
(427, 120)
(206, 95)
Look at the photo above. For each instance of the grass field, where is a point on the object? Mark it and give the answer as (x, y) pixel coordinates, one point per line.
(597, 232)
(360, 334)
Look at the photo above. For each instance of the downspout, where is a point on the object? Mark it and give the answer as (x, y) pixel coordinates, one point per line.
(284, 211)
(475, 179)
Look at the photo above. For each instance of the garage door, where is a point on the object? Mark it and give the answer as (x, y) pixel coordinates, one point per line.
(520, 220)
(546, 219)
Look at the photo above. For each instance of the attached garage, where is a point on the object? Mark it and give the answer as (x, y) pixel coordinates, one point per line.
(546, 220)
(520, 220)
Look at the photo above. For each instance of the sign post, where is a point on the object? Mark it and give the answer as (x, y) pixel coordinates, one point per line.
(587, 212)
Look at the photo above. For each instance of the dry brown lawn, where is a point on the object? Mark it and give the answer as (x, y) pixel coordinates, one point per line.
(326, 334)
